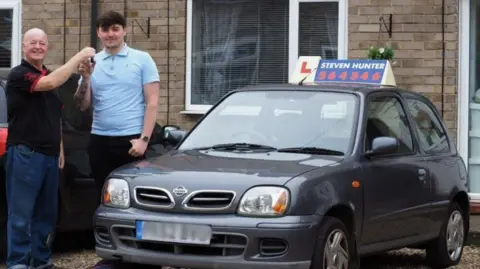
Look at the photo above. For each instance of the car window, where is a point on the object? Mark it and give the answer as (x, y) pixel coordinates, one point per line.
(73, 118)
(433, 138)
(3, 106)
(280, 119)
(386, 117)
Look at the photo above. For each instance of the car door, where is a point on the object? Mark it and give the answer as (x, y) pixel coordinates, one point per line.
(396, 190)
(438, 151)
(77, 187)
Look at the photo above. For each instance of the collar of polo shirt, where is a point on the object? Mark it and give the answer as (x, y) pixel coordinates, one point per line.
(122, 52)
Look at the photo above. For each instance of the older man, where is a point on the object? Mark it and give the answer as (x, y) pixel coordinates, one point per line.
(123, 89)
(34, 151)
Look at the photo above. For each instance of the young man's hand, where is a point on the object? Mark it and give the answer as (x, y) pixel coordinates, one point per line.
(138, 147)
(85, 68)
(61, 160)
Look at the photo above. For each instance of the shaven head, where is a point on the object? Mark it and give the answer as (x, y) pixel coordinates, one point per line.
(35, 45)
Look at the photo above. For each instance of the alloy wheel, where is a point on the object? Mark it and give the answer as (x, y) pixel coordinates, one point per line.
(335, 255)
(455, 235)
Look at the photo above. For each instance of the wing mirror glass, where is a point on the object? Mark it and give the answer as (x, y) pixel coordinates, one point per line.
(172, 134)
(383, 145)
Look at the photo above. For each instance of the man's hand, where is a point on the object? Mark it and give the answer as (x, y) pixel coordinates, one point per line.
(138, 147)
(85, 69)
(86, 53)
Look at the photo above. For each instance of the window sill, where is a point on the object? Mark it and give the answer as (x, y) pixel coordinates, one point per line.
(193, 112)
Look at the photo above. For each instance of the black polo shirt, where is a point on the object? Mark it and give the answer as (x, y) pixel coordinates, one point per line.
(33, 117)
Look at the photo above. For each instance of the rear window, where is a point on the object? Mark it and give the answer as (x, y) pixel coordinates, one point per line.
(3, 105)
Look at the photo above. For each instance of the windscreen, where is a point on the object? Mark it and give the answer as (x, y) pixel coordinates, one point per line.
(280, 119)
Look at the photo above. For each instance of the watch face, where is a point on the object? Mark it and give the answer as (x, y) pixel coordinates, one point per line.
(145, 138)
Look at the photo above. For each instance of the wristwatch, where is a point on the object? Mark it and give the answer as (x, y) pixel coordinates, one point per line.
(145, 138)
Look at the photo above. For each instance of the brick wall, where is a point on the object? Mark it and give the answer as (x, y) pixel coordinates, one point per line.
(417, 40)
(168, 50)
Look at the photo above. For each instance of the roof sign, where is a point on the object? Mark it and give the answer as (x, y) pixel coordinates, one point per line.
(359, 71)
(378, 72)
(305, 69)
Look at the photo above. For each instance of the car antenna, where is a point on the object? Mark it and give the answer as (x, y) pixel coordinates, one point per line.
(303, 79)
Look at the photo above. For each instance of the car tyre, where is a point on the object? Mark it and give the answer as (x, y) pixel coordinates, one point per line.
(334, 246)
(447, 249)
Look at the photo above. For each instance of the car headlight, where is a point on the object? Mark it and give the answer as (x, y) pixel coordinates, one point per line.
(116, 193)
(264, 201)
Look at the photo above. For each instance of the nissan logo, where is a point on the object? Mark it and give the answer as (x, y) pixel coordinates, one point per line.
(179, 191)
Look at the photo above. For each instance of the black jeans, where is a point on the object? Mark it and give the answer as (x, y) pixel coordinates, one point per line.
(106, 153)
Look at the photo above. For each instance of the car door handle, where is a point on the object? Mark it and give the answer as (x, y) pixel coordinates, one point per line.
(421, 174)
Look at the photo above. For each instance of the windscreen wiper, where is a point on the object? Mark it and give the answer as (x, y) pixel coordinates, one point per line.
(312, 150)
(238, 146)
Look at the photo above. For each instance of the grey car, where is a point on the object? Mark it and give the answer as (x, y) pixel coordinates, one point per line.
(286, 176)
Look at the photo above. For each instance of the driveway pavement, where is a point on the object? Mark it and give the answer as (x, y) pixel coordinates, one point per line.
(474, 229)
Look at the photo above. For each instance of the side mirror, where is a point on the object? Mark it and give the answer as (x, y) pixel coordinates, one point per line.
(383, 145)
(173, 135)
(168, 128)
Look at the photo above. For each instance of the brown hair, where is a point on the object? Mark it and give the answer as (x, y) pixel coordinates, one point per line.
(110, 18)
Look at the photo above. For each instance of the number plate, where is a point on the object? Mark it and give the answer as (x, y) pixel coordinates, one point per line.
(174, 232)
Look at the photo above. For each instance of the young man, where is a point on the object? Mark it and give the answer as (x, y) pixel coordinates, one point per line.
(34, 153)
(122, 86)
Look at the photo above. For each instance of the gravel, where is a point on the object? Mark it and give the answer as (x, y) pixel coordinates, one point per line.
(402, 259)
(75, 251)
(415, 259)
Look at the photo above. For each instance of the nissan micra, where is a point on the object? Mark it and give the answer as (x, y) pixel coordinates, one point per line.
(287, 176)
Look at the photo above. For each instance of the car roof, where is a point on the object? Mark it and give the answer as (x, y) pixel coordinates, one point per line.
(3, 77)
(364, 89)
(4, 73)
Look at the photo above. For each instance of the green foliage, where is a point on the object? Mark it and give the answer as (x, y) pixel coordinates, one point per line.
(380, 53)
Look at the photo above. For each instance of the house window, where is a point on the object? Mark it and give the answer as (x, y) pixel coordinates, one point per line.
(236, 43)
(6, 16)
(9, 33)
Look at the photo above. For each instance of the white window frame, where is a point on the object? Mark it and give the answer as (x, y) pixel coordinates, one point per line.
(16, 6)
(463, 81)
(293, 45)
(464, 74)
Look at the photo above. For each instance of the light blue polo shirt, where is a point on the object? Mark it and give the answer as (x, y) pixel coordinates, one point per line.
(117, 91)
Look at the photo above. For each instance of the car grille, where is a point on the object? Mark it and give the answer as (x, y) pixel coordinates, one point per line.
(209, 200)
(222, 244)
(153, 197)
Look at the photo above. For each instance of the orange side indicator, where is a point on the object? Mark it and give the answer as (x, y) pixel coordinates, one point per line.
(281, 204)
(356, 184)
(106, 195)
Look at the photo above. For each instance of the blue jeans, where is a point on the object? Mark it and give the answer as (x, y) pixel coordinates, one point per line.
(32, 197)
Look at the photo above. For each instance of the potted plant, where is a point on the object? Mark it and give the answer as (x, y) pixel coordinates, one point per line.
(381, 53)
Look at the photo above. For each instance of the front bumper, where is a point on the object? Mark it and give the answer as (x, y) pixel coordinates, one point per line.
(237, 242)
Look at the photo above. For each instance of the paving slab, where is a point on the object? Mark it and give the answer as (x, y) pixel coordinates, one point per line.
(474, 235)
